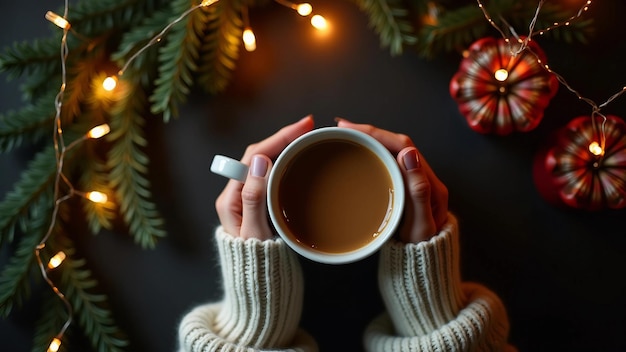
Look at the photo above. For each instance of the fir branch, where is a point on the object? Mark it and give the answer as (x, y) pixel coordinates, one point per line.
(94, 176)
(578, 30)
(136, 38)
(14, 279)
(39, 86)
(79, 85)
(38, 62)
(31, 123)
(177, 59)
(454, 31)
(92, 18)
(220, 46)
(128, 165)
(390, 19)
(31, 197)
(52, 317)
(39, 57)
(94, 317)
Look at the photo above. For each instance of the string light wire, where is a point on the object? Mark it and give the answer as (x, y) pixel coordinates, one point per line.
(533, 22)
(61, 149)
(157, 38)
(523, 45)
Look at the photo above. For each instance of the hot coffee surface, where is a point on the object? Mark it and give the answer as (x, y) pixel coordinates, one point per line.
(335, 196)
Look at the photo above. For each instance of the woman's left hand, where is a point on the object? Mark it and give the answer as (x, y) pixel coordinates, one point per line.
(426, 208)
(242, 208)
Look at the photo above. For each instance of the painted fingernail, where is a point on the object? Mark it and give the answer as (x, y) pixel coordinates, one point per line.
(259, 166)
(411, 160)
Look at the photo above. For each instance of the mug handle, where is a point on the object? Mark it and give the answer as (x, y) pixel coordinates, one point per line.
(229, 167)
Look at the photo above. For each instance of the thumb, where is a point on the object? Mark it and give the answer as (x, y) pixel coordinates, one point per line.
(419, 223)
(253, 197)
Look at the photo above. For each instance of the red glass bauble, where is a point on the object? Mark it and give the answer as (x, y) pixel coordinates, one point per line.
(499, 90)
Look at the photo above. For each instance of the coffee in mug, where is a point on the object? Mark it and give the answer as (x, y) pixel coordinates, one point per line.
(334, 197)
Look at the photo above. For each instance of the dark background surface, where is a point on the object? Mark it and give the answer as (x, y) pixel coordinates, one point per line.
(560, 272)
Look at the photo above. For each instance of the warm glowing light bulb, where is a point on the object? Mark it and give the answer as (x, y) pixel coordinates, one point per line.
(319, 22)
(249, 40)
(57, 20)
(501, 75)
(109, 83)
(54, 345)
(595, 148)
(56, 260)
(207, 2)
(99, 131)
(304, 9)
(96, 197)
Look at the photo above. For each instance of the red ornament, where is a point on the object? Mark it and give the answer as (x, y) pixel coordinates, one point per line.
(585, 171)
(499, 91)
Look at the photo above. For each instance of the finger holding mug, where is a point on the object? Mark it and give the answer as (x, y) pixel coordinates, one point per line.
(417, 205)
(254, 222)
(230, 205)
(419, 223)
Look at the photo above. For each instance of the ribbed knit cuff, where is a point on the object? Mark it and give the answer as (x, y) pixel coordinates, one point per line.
(195, 335)
(428, 308)
(262, 305)
(263, 292)
(420, 282)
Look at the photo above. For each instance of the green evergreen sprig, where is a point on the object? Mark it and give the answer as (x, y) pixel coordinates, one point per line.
(432, 29)
(453, 31)
(47, 326)
(390, 19)
(15, 276)
(128, 163)
(29, 125)
(220, 46)
(136, 38)
(36, 58)
(177, 61)
(93, 19)
(94, 317)
(31, 199)
(95, 175)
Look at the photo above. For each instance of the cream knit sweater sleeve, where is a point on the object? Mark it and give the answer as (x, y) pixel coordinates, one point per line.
(262, 304)
(428, 307)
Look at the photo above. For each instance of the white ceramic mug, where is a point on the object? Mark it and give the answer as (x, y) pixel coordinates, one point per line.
(362, 183)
